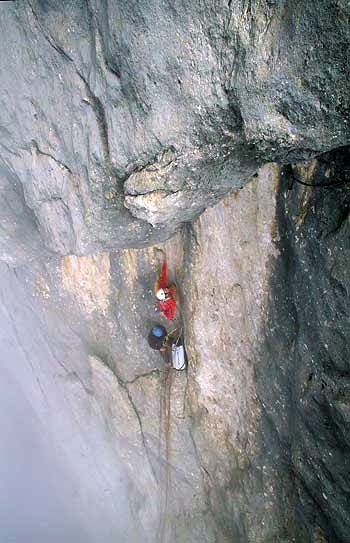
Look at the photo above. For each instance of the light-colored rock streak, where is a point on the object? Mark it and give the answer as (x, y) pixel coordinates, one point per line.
(225, 300)
(87, 279)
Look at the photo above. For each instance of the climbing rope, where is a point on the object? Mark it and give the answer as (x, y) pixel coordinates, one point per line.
(165, 433)
(164, 451)
(325, 185)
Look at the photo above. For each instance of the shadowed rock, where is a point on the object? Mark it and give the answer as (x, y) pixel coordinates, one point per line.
(121, 121)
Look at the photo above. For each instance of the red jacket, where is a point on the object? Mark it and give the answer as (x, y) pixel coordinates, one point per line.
(167, 307)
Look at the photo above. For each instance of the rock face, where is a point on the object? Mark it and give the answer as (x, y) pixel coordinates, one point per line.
(225, 309)
(250, 443)
(120, 124)
(269, 349)
(306, 348)
(121, 121)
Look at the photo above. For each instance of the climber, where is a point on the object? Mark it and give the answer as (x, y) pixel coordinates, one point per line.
(165, 294)
(160, 340)
(157, 338)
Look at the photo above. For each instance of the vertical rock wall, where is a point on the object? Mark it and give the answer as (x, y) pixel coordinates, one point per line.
(120, 121)
(306, 351)
(226, 290)
(249, 444)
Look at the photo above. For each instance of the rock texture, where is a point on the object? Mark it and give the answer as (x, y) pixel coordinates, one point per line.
(121, 121)
(62, 475)
(225, 310)
(306, 348)
(250, 443)
(121, 124)
(94, 313)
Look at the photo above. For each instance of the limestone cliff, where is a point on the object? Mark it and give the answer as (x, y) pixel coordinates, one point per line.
(122, 120)
(216, 132)
(246, 442)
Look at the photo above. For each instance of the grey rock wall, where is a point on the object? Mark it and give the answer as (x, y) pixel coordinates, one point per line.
(251, 442)
(62, 475)
(307, 340)
(226, 288)
(120, 121)
(122, 126)
(94, 313)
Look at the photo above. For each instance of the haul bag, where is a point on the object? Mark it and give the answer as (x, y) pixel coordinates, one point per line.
(178, 357)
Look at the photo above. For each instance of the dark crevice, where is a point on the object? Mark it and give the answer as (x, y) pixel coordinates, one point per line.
(124, 385)
(343, 219)
(292, 177)
(62, 165)
(313, 434)
(96, 32)
(48, 36)
(151, 373)
(155, 191)
(94, 101)
(101, 117)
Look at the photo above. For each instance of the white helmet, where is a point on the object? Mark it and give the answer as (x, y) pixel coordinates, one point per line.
(160, 294)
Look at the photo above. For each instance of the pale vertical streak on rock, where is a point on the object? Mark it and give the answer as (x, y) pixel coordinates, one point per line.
(129, 266)
(226, 309)
(87, 279)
